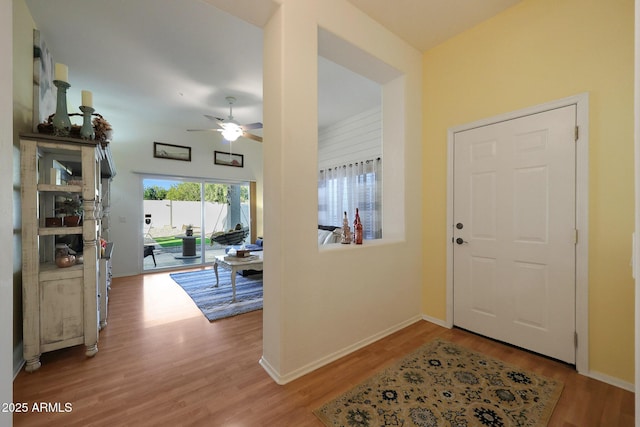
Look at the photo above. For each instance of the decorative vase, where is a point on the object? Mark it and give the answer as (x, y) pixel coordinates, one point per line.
(357, 229)
(345, 238)
(87, 132)
(65, 261)
(61, 122)
(63, 257)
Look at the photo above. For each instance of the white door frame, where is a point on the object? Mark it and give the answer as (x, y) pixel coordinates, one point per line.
(581, 101)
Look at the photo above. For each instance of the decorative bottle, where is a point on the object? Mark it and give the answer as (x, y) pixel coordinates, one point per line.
(346, 231)
(357, 229)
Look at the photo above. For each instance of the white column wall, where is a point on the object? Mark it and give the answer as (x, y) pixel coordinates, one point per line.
(320, 304)
(6, 207)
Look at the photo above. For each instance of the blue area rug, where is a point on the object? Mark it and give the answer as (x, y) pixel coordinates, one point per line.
(216, 303)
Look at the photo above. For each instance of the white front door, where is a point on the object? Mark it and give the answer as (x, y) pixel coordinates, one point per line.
(514, 231)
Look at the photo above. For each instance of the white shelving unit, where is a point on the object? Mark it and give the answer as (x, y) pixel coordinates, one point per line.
(62, 306)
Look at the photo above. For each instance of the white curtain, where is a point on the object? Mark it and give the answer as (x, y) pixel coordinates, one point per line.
(347, 187)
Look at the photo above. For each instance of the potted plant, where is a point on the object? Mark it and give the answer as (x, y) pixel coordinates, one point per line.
(71, 207)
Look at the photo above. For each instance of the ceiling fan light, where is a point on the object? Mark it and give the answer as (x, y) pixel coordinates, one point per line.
(231, 132)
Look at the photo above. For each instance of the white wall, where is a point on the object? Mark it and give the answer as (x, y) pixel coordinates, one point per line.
(7, 214)
(321, 303)
(132, 150)
(355, 138)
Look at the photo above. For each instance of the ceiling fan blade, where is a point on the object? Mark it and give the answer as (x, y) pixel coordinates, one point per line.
(252, 136)
(203, 130)
(213, 118)
(256, 125)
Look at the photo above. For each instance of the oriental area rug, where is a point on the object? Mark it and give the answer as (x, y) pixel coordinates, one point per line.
(216, 302)
(444, 384)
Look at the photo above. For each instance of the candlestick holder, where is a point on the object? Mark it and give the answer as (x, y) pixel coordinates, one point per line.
(87, 132)
(61, 121)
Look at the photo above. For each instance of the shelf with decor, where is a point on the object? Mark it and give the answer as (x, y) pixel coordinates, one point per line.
(62, 182)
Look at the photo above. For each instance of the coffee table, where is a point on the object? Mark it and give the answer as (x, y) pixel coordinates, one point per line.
(235, 265)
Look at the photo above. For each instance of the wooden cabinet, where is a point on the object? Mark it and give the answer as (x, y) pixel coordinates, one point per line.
(61, 305)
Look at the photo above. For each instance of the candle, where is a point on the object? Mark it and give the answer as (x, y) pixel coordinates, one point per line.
(61, 73)
(87, 99)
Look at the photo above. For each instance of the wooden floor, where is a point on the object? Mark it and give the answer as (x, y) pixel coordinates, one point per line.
(161, 363)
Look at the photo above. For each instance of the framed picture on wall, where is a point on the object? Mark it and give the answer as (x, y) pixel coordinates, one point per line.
(228, 159)
(44, 92)
(171, 151)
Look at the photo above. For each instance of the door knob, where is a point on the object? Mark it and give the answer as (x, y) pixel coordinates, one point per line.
(461, 241)
(459, 226)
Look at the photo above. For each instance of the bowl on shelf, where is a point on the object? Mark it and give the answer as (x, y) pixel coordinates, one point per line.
(65, 261)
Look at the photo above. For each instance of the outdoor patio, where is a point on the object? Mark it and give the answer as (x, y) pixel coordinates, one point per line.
(170, 257)
(167, 243)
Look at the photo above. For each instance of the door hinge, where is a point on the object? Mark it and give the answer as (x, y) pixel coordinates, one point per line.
(575, 339)
(575, 236)
(577, 134)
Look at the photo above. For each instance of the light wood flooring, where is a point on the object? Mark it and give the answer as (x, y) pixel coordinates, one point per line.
(161, 363)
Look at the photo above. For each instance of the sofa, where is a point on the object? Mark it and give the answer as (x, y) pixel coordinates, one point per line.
(253, 247)
(328, 234)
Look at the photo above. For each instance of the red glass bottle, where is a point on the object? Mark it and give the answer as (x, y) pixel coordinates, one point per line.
(357, 229)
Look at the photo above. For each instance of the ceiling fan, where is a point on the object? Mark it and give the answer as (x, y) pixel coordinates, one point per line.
(231, 129)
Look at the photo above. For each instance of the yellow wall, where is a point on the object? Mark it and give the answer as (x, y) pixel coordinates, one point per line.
(535, 52)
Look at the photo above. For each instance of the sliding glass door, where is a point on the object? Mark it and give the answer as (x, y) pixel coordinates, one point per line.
(187, 222)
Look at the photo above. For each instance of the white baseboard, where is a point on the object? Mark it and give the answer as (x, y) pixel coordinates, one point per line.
(270, 370)
(436, 321)
(284, 379)
(18, 361)
(616, 382)
(591, 374)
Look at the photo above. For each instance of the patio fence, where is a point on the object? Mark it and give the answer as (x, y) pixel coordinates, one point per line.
(170, 217)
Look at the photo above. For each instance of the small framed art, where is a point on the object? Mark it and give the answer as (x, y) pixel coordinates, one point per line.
(228, 159)
(171, 151)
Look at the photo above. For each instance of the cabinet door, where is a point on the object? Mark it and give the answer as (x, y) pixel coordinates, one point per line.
(61, 303)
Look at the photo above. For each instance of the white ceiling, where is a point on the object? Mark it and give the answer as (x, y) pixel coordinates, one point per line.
(171, 61)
